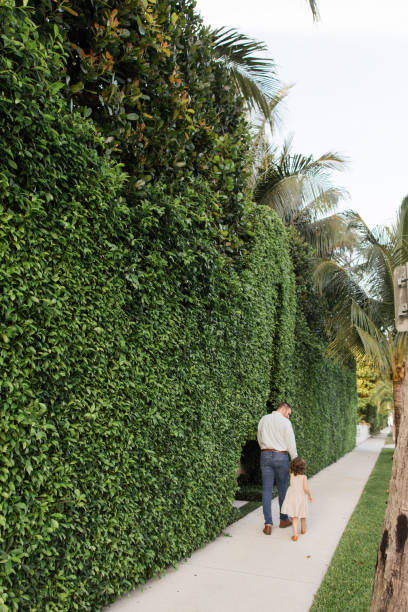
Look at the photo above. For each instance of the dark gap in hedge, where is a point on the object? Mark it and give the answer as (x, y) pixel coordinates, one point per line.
(249, 478)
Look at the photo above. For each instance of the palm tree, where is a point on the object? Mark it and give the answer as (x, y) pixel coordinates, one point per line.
(299, 189)
(362, 322)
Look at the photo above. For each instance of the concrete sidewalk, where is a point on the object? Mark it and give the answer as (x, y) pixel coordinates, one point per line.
(245, 570)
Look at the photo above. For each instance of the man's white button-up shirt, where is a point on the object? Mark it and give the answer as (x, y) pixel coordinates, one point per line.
(276, 432)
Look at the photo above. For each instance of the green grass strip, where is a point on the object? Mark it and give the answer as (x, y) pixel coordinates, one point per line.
(347, 585)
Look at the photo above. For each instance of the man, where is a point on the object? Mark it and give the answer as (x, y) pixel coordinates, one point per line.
(276, 439)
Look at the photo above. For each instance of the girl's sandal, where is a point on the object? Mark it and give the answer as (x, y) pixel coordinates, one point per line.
(294, 538)
(303, 531)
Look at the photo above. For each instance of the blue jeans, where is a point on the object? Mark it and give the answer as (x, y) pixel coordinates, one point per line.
(274, 468)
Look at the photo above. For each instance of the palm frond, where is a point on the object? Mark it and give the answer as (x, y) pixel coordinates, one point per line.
(377, 351)
(315, 9)
(261, 121)
(262, 127)
(400, 233)
(249, 89)
(382, 395)
(378, 257)
(346, 342)
(295, 183)
(327, 235)
(283, 194)
(362, 320)
(327, 161)
(329, 276)
(350, 326)
(254, 75)
(320, 200)
(357, 223)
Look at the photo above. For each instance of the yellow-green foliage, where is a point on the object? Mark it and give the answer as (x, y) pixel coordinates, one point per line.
(367, 377)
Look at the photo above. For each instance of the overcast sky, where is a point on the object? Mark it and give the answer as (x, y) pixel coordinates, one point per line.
(350, 91)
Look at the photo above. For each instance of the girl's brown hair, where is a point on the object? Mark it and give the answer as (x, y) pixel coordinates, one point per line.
(297, 466)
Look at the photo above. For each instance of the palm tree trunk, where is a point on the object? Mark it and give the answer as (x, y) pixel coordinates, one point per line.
(396, 390)
(390, 592)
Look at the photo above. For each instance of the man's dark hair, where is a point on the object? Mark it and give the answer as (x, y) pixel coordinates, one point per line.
(284, 404)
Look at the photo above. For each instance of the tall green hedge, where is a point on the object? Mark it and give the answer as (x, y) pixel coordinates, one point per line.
(325, 403)
(60, 217)
(135, 358)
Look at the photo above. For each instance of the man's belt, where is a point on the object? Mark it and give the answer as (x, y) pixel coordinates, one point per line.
(273, 450)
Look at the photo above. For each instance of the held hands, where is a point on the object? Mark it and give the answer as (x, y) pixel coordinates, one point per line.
(310, 498)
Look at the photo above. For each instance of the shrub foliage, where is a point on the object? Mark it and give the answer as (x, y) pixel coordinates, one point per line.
(144, 71)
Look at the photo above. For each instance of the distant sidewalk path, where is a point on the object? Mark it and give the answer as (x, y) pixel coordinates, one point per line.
(245, 570)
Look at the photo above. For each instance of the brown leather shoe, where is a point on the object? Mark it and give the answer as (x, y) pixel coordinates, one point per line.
(286, 523)
(267, 529)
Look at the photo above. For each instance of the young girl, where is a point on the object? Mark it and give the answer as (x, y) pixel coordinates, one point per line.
(295, 503)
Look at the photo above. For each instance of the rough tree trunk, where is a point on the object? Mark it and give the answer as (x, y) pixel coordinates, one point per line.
(396, 391)
(390, 592)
